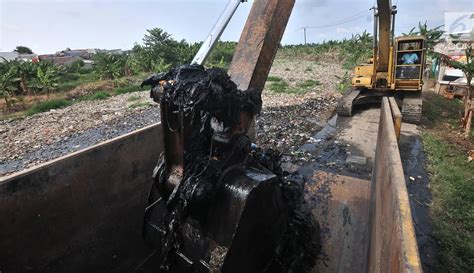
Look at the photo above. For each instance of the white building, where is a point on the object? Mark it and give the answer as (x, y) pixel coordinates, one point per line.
(9, 56)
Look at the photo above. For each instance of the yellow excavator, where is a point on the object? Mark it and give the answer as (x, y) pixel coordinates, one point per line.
(396, 69)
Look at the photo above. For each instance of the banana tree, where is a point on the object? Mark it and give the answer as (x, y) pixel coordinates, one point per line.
(432, 35)
(26, 71)
(8, 80)
(47, 77)
(468, 70)
(108, 66)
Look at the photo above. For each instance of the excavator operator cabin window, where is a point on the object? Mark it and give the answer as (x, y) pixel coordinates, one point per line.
(414, 45)
(409, 58)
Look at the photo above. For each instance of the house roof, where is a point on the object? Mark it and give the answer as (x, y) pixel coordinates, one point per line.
(9, 56)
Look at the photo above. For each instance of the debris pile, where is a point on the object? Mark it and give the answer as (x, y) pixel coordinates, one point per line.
(288, 127)
(207, 112)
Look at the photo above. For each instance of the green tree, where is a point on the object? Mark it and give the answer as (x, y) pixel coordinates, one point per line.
(141, 59)
(432, 35)
(158, 46)
(23, 50)
(26, 71)
(222, 54)
(161, 46)
(76, 66)
(468, 70)
(160, 66)
(47, 77)
(8, 75)
(109, 66)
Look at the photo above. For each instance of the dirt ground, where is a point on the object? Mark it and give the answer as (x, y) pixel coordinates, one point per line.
(339, 175)
(289, 118)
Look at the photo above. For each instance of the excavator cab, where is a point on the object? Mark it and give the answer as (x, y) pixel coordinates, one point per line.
(409, 65)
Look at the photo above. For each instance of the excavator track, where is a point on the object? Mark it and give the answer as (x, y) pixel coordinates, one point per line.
(346, 103)
(411, 108)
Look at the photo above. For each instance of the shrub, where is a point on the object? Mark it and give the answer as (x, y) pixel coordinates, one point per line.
(274, 79)
(309, 84)
(127, 89)
(47, 105)
(278, 87)
(344, 82)
(100, 95)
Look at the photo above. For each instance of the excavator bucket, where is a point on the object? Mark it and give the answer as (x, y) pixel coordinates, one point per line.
(239, 233)
(217, 204)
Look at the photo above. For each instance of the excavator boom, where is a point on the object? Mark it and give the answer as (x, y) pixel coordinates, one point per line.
(384, 29)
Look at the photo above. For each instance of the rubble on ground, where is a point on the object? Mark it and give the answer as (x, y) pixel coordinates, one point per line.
(287, 120)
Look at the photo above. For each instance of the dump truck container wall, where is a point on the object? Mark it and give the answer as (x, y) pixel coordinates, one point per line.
(82, 212)
(393, 247)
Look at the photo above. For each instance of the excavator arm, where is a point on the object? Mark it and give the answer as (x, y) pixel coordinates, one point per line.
(384, 14)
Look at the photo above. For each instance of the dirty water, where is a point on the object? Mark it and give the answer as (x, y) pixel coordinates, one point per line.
(419, 193)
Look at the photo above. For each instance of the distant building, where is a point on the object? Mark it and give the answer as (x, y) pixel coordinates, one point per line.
(9, 56)
(65, 57)
(114, 51)
(80, 53)
(455, 48)
(28, 57)
(59, 60)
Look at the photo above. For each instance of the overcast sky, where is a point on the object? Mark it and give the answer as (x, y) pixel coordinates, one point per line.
(48, 26)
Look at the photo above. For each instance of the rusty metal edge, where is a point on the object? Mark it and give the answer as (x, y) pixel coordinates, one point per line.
(411, 258)
(32, 169)
(396, 116)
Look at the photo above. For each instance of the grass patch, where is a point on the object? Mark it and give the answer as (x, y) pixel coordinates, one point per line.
(279, 86)
(452, 183)
(133, 98)
(71, 81)
(308, 69)
(284, 87)
(100, 95)
(127, 89)
(274, 79)
(309, 84)
(343, 82)
(349, 65)
(138, 105)
(47, 105)
(438, 109)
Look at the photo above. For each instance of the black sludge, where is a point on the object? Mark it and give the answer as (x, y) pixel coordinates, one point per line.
(210, 115)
